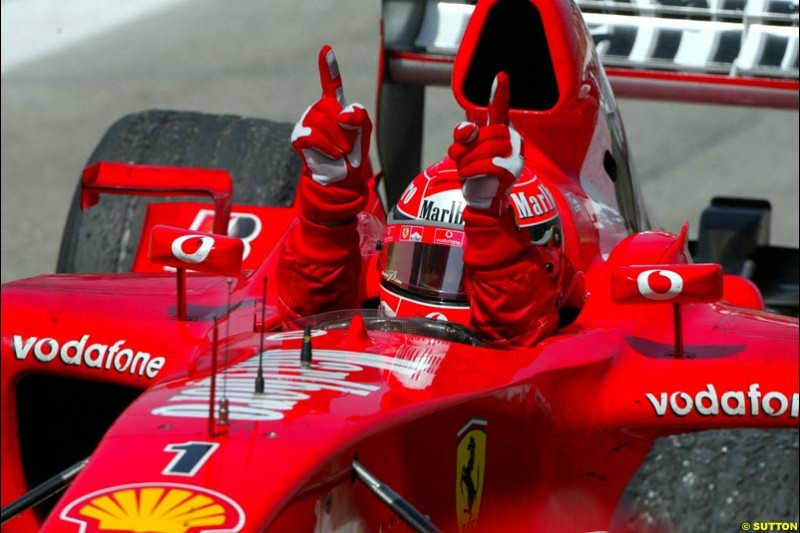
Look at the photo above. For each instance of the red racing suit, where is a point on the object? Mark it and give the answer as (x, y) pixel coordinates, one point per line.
(512, 298)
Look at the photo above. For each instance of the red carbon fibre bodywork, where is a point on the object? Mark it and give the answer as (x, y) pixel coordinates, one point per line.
(535, 439)
(567, 422)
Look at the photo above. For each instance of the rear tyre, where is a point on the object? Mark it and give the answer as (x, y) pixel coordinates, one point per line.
(257, 153)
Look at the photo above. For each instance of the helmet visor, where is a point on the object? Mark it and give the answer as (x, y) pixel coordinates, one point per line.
(430, 270)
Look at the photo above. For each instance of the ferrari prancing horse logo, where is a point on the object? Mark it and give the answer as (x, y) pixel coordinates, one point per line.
(470, 472)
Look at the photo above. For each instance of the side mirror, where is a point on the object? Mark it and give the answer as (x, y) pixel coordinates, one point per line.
(194, 250)
(668, 284)
(675, 284)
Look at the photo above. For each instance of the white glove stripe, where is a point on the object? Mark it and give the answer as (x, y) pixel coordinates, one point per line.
(354, 157)
(466, 124)
(324, 170)
(512, 163)
(333, 70)
(300, 130)
(480, 191)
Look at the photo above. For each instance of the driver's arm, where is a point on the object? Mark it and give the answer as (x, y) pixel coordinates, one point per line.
(512, 297)
(320, 263)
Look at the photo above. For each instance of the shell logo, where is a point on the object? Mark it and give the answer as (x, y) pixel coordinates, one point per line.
(155, 508)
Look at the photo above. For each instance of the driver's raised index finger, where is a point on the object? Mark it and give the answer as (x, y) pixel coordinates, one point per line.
(329, 75)
(499, 99)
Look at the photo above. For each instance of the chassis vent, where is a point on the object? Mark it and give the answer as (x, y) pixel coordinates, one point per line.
(61, 421)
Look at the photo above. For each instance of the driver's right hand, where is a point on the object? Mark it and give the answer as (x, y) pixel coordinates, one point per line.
(332, 137)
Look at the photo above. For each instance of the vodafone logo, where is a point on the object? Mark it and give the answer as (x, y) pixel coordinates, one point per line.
(199, 255)
(437, 316)
(94, 355)
(709, 402)
(672, 284)
(449, 237)
(659, 284)
(203, 252)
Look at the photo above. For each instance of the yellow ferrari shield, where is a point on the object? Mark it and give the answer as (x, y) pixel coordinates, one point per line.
(470, 471)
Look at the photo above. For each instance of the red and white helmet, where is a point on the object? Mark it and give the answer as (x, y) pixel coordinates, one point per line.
(422, 257)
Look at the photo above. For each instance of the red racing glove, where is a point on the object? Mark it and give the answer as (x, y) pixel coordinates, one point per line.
(320, 262)
(512, 297)
(332, 138)
(489, 158)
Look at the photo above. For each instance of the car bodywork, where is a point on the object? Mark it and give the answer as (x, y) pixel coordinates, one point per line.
(543, 438)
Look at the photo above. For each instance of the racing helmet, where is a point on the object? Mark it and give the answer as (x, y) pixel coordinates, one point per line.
(422, 252)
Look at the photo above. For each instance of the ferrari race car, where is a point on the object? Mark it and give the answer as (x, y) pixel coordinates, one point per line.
(189, 406)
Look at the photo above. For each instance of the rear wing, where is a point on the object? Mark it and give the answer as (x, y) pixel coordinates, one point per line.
(740, 52)
(735, 52)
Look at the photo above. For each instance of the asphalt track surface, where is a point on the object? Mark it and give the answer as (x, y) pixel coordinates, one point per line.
(258, 59)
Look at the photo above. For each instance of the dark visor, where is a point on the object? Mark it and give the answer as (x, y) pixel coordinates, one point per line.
(431, 270)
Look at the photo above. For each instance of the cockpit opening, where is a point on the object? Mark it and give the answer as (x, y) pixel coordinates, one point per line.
(513, 40)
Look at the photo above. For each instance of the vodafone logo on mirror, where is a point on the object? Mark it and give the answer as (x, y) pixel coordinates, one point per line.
(200, 253)
(659, 284)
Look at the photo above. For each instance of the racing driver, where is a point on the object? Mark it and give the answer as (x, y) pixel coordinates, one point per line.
(453, 248)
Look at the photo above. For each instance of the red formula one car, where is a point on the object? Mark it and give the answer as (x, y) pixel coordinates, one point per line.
(152, 387)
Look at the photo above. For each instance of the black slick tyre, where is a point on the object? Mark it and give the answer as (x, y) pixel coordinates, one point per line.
(257, 153)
